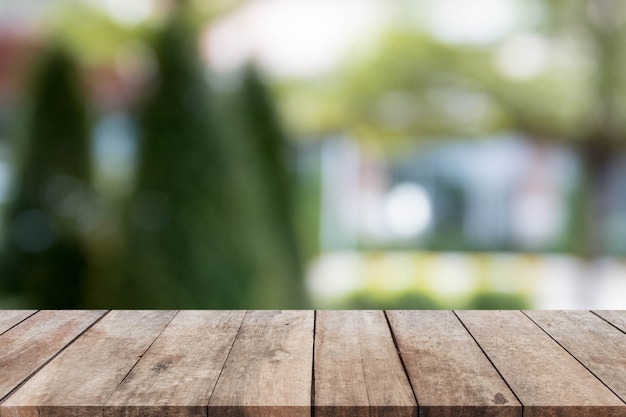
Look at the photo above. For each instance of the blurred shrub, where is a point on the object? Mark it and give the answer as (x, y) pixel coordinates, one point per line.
(498, 301)
(421, 301)
(43, 257)
(193, 238)
(407, 301)
(261, 161)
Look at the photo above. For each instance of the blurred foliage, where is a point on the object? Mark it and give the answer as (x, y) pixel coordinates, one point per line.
(98, 38)
(308, 202)
(210, 223)
(412, 88)
(498, 301)
(212, 220)
(200, 11)
(200, 231)
(93, 35)
(411, 85)
(408, 301)
(271, 146)
(182, 235)
(422, 301)
(268, 174)
(44, 256)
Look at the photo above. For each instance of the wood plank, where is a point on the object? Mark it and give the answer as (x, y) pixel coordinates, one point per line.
(358, 371)
(594, 342)
(79, 381)
(547, 380)
(450, 375)
(29, 345)
(9, 318)
(177, 374)
(616, 317)
(269, 370)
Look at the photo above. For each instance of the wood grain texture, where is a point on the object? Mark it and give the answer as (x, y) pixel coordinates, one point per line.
(358, 371)
(599, 346)
(79, 381)
(548, 381)
(450, 375)
(177, 374)
(9, 318)
(268, 363)
(29, 345)
(269, 369)
(616, 317)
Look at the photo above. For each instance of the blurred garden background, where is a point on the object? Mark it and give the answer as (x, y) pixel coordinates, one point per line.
(313, 154)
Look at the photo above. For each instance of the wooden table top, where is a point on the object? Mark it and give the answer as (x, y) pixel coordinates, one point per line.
(312, 363)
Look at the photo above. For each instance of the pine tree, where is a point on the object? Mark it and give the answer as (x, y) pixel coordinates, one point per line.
(270, 246)
(185, 247)
(273, 153)
(43, 258)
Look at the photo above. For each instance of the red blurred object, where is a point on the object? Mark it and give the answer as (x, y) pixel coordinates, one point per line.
(18, 47)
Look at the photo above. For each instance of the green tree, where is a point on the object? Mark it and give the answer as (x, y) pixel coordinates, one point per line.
(267, 141)
(189, 236)
(44, 258)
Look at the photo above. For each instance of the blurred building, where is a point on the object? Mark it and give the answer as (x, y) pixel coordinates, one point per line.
(500, 193)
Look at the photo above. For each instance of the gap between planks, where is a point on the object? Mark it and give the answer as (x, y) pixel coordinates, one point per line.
(15, 318)
(406, 373)
(138, 360)
(489, 359)
(582, 355)
(547, 379)
(313, 358)
(58, 352)
(230, 350)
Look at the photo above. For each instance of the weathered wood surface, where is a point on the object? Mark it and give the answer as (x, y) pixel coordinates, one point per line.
(449, 373)
(615, 317)
(357, 369)
(80, 380)
(11, 318)
(596, 344)
(30, 344)
(312, 364)
(177, 374)
(269, 370)
(547, 379)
